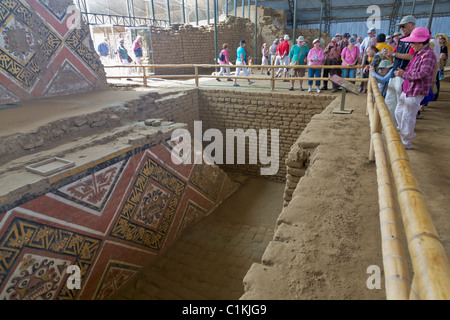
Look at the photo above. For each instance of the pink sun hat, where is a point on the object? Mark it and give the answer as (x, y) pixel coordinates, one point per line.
(418, 35)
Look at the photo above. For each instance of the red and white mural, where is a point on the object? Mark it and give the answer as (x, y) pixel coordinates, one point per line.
(109, 220)
(45, 50)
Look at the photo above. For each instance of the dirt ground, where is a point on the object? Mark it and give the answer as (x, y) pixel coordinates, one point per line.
(330, 234)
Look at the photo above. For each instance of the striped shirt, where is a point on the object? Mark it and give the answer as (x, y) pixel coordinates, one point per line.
(419, 73)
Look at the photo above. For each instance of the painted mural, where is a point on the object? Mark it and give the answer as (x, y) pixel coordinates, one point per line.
(45, 51)
(109, 220)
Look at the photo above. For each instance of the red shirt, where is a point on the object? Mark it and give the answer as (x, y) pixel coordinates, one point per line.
(283, 48)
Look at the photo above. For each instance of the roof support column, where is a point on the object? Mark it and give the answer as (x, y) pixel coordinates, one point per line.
(430, 18)
(294, 22)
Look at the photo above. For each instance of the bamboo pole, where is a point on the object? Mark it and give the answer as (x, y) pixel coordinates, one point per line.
(374, 120)
(428, 257)
(397, 278)
(235, 66)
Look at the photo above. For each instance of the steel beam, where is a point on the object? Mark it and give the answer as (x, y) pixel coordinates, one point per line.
(168, 11)
(207, 11)
(196, 12)
(256, 33)
(321, 18)
(430, 18)
(215, 32)
(294, 22)
(393, 17)
(183, 15)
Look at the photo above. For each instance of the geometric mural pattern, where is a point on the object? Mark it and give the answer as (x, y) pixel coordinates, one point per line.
(130, 225)
(36, 278)
(144, 206)
(22, 236)
(115, 276)
(30, 45)
(206, 179)
(94, 189)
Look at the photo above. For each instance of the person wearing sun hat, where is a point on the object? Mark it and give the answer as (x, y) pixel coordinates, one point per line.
(315, 57)
(350, 57)
(417, 82)
(297, 56)
(382, 73)
(401, 55)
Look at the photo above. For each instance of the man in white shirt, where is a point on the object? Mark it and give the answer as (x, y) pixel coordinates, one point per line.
(366, 42)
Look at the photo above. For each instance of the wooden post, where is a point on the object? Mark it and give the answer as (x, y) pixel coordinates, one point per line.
(196, 76)
(272, 79)
(144, 73)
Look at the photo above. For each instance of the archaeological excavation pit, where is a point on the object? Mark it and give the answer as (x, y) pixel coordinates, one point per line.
(124, 199)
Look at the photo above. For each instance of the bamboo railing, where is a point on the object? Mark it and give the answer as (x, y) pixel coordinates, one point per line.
(196, 76)
(399, 192)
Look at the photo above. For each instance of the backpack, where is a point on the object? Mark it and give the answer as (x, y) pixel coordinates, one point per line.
(221, 56)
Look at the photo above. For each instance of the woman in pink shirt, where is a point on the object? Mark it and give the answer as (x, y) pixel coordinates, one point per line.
(315, 58)
(224, 62)
(350, 57)
(416, 85)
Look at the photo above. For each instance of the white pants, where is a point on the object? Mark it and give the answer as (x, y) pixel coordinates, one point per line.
(126, 71)
(406, 113)
(283, 62)
(238, 70)
(222, 69)
(393, 92)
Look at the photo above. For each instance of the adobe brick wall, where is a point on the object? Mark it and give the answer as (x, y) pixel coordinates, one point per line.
(187, 44)
(236, 109)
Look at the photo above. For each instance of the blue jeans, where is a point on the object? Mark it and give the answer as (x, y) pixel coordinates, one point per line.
(349, 73)
(314, 73)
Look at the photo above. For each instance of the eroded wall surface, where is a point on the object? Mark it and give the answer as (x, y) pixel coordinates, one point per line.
(44, 52)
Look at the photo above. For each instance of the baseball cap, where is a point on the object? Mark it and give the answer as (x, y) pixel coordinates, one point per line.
(406, 20)
(347, 35)
(371, 30)
(242, 41)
